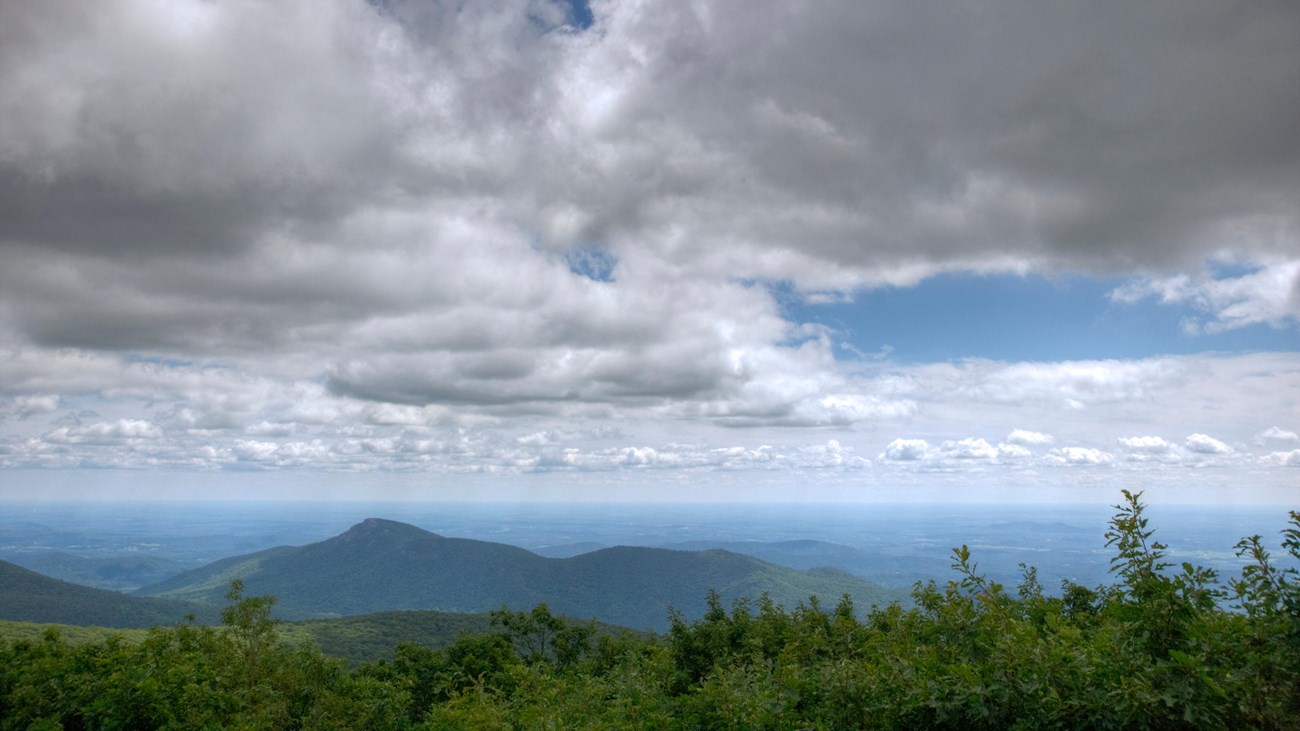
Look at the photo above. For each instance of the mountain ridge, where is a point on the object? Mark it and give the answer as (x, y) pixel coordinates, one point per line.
(28, 596)
(383, 565)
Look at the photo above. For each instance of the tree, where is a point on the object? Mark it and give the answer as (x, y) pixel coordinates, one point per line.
(539, 636)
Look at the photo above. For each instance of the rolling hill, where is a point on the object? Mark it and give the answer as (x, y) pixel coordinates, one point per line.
(119, 573)
(898, 570)
(381, 565)
(31, 597)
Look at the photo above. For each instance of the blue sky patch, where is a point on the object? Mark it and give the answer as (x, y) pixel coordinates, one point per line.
(580, 15)
(1007, 317)
(592, 263)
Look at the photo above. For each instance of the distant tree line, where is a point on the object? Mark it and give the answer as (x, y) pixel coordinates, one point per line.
(1163, 647)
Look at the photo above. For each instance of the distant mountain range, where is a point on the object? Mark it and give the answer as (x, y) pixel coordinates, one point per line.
(129, 573)
(899, 571)
(381, 565)
(31, 597)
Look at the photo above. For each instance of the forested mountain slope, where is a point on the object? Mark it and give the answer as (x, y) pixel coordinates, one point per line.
(381, 565)
(28, 596)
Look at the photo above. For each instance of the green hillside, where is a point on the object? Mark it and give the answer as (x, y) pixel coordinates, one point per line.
(28, 596)
(636, 586)
(882, 568)
(118, 573)
(208, 584)
(17, 631)
(381, 565)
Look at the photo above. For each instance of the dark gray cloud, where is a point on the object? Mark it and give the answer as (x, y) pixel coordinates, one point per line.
(138, 130)
(868, 136)
(1107, 137)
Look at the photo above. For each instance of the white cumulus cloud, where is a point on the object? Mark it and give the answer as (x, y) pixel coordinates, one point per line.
(106, 432)
(906, 450)
(1084, 456)
(1029, 438)
(1013, 451)
(1269, 295)
(1277, 435)
(27, 406)
(969, 448)
(1206, 444)
(1152, 445)
(1283, 459)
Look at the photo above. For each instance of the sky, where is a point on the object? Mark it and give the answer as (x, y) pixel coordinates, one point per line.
(715, 250)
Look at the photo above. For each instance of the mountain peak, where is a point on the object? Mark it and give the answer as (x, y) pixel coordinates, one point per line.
(379, 527)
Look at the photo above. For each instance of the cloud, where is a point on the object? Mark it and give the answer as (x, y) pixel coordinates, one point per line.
(269, 429)
(1151, 450)
(1013, 451)
(973, 455)
(1073, 384)
(975, 449)
(447, 237)
(1276, 435)
(969, 448)
(1150, 445)
(1010, 151)
(1269, 295)
(1029, 438)
(1081, 456)
(1284, 459)
(906, 450)
(83, 133)
(828, 456)
(105, 433)
(255, 451)
(363, 169)
(27, 406)
(1197, 449)
(201, 415)
(1205, 444)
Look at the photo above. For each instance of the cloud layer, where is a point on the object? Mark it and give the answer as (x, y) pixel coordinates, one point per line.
(404, 235)
(960, 420)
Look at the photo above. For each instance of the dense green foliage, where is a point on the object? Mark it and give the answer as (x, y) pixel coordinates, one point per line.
(1163, 648)
(382, 565)
(13, 631)
(28, 596)
(376, 636)
(355, 639)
